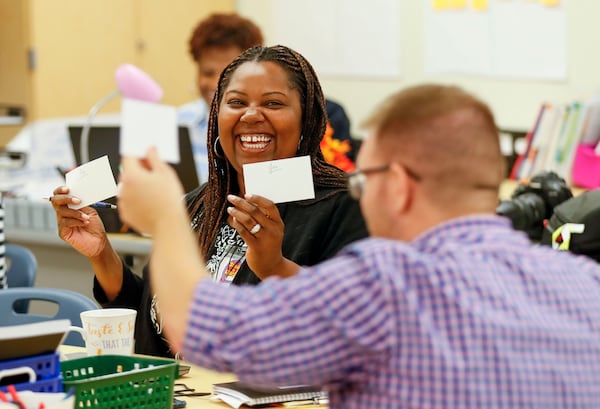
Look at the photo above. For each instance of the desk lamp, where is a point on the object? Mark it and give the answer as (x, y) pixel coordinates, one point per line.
(132, 83)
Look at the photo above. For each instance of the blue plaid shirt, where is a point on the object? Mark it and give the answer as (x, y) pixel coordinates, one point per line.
(468, 315)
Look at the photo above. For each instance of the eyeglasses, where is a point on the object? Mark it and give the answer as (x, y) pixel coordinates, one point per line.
(182, 390)
(357, 179)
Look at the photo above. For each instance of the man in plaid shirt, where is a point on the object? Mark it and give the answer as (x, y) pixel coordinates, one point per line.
(446, 306)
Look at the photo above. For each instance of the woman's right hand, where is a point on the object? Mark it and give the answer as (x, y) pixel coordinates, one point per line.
(82, 229)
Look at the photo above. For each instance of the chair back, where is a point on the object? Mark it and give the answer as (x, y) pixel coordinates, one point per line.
(22, 270)
(69, 305)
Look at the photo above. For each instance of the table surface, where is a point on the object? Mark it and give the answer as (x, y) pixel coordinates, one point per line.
(123, 243)
(198, 378)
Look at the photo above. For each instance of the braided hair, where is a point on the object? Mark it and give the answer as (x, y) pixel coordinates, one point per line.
(210, 202)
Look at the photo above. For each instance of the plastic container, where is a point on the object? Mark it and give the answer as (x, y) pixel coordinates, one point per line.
(45, 385)
(116, 381)
(39, 373)
(586, 167)
(45, 366)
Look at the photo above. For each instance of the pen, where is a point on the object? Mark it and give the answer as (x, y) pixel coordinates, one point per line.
(99, 205)
(104, 205)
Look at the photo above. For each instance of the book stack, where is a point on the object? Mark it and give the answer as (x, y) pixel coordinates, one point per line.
(236, 394)
(555, 140)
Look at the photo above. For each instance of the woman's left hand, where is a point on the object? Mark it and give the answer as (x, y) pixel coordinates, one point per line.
(258, 222)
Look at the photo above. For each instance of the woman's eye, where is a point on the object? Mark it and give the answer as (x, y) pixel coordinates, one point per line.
(273, 103)
(235, 102)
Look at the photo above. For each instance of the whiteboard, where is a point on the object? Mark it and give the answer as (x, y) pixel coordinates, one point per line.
(334, 39)
(498, 39)
(514, 99)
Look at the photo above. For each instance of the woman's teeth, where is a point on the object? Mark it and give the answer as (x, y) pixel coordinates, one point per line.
(254, 141)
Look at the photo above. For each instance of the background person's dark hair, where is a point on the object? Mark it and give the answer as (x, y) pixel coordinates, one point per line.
(224, 30)
(211, 200)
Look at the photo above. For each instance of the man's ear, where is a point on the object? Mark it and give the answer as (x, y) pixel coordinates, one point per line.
(403, 188)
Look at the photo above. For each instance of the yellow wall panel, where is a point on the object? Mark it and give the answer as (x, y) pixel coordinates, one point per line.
(78, 44)
(165, 27)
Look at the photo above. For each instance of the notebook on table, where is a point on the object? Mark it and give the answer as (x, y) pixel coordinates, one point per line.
(239, 393)
(104, 140)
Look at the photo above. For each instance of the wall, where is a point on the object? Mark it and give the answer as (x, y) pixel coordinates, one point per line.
(79, 44)
(515, 102)
(14, 88)
(165, 28)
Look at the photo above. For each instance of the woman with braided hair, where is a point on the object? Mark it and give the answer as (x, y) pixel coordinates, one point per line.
(286, 117)
(214, 42)
(268, 105)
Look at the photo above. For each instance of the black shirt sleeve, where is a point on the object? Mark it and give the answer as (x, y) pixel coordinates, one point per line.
(130, 295)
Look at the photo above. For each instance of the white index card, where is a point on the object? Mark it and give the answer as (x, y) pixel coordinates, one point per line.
(145, 124)
(281, 180)
(91, 182)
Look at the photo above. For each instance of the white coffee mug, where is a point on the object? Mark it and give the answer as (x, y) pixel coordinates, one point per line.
(108, 331)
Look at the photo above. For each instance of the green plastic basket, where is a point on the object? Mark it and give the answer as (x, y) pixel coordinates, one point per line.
(115, 381)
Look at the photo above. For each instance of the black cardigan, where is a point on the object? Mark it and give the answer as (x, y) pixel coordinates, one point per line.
(315, 230)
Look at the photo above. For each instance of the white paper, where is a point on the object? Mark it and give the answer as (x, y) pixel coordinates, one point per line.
(51, 400)
(91, 182)
(145, 124)
(282, 180)
(230, 400)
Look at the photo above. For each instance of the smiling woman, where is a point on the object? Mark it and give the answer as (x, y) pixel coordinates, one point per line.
(260, 117)
(268, 105)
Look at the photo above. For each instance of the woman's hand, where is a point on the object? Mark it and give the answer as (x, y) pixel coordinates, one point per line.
(82, 229)
(258, 222)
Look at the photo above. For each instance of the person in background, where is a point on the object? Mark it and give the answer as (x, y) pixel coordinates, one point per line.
(268, 105)
(337, 146)
(445, 306)
(214, 43)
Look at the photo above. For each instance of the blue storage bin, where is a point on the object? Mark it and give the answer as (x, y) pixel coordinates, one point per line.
(39, 373)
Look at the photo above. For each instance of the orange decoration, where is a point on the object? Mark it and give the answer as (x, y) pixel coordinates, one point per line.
(334, 151)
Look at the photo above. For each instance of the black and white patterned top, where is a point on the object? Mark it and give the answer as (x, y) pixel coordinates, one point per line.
(228, 255)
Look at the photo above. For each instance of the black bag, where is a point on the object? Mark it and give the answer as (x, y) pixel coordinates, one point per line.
(575, 225)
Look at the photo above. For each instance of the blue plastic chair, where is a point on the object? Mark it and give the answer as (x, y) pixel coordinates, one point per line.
(22, 269)
(70, 304)
(22, 266)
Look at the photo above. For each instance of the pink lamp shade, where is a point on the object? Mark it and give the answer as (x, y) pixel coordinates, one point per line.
(136, 84)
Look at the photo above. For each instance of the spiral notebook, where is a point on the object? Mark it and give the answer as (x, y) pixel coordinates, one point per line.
(239, 393)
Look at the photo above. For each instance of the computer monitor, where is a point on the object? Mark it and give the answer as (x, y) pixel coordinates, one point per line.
(104, 140)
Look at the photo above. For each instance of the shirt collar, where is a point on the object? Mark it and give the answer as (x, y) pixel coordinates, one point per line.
(465, 229)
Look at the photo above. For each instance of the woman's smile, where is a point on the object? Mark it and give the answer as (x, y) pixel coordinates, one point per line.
(260, 115)
(254, 142)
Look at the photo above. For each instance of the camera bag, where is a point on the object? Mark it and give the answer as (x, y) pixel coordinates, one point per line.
(575, 225)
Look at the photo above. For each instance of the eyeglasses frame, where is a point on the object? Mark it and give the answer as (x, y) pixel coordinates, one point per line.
(358, 178)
